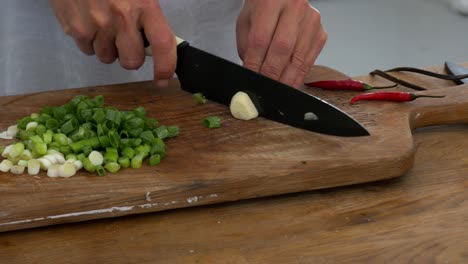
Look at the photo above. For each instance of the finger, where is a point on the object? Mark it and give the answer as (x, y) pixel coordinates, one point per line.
(298, 63)
(128, 40)
(104, 46)
(81, 29)
(320, 41)
(163, 45)
(242, 32)
(263, 24)
(60, 12)
(284, 40)
(104, 40)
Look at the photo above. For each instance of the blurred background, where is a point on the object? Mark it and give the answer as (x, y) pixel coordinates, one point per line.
(367, 34)
(35, 55)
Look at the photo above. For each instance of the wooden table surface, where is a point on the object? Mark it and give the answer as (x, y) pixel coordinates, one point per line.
(421, 217)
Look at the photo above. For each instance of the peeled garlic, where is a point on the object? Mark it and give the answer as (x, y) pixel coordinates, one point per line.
(242, 107)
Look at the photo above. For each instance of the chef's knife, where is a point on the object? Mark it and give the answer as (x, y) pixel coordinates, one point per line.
(455, 69)
(219, 79)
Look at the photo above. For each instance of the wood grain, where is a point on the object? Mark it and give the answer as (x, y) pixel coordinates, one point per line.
(240, 161)
(419, 218)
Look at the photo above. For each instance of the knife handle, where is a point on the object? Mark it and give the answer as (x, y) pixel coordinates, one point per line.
(148, 51)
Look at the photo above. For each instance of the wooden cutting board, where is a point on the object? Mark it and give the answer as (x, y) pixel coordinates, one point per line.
(239, 161)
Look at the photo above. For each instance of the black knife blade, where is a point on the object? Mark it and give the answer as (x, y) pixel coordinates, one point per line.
(219, 79)
(455, 69)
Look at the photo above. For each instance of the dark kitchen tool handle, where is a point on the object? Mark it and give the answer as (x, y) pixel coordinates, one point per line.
(149, 52)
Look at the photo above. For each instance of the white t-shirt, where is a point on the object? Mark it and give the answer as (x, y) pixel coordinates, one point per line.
(35, 54)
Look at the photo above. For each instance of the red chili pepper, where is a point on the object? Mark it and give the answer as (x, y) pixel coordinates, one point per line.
(344, 85)
(390, 96)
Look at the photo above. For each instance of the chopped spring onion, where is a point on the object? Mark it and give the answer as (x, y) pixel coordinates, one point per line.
(47, 136)
(173, 131)
(212, 122)
(162, 132)
(124, 162)
(26, 155)
(16, 150)
(52, 152)
(199, 98)
(40, 130)
(137, 161)
(44, 163)
(78, 164)
(87, 150)
(71, 156)
(128, 152)
(112, 167)
(33, 167)
(6, 165)
(81, 157)
(61, 139)
(67, 170)
(40, 148)
(59, 157)
(111, 155)
(53, 170)
(6, 151)
(51, 158)
(12, 131)
(23, 163)
(139, 111)
(17, 169)
(3, 135)
(143, 149)
(100, 170)
(154, 160)
(158, 149)
(88, 165)
(31, 126)
(96, 158)
(89, 135)
(147, 136)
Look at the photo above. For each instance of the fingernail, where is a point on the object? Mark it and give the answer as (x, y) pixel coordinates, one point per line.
(162, 83)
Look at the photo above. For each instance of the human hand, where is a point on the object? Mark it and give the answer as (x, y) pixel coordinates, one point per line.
(280, 38)
(112, 29)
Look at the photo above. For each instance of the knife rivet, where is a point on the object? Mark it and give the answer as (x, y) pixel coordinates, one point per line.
(309, 116)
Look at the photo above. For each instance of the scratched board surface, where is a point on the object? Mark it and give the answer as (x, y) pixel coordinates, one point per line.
(241, 160)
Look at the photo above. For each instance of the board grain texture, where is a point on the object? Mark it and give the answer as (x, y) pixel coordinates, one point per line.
(239, 161)
(418, 218)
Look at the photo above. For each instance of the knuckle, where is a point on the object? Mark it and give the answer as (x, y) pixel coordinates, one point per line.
(282, 46)
(259, 41)
(102, 22)
(252, 64)
(315, 17)
(120, 9)
(304, 69)
(300, 4)
(324, 38)
(298, 59)
(81, 34)
(271, 71)
(165, 41)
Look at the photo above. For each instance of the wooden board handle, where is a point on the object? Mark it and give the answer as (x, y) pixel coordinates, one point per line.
(452, 109)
